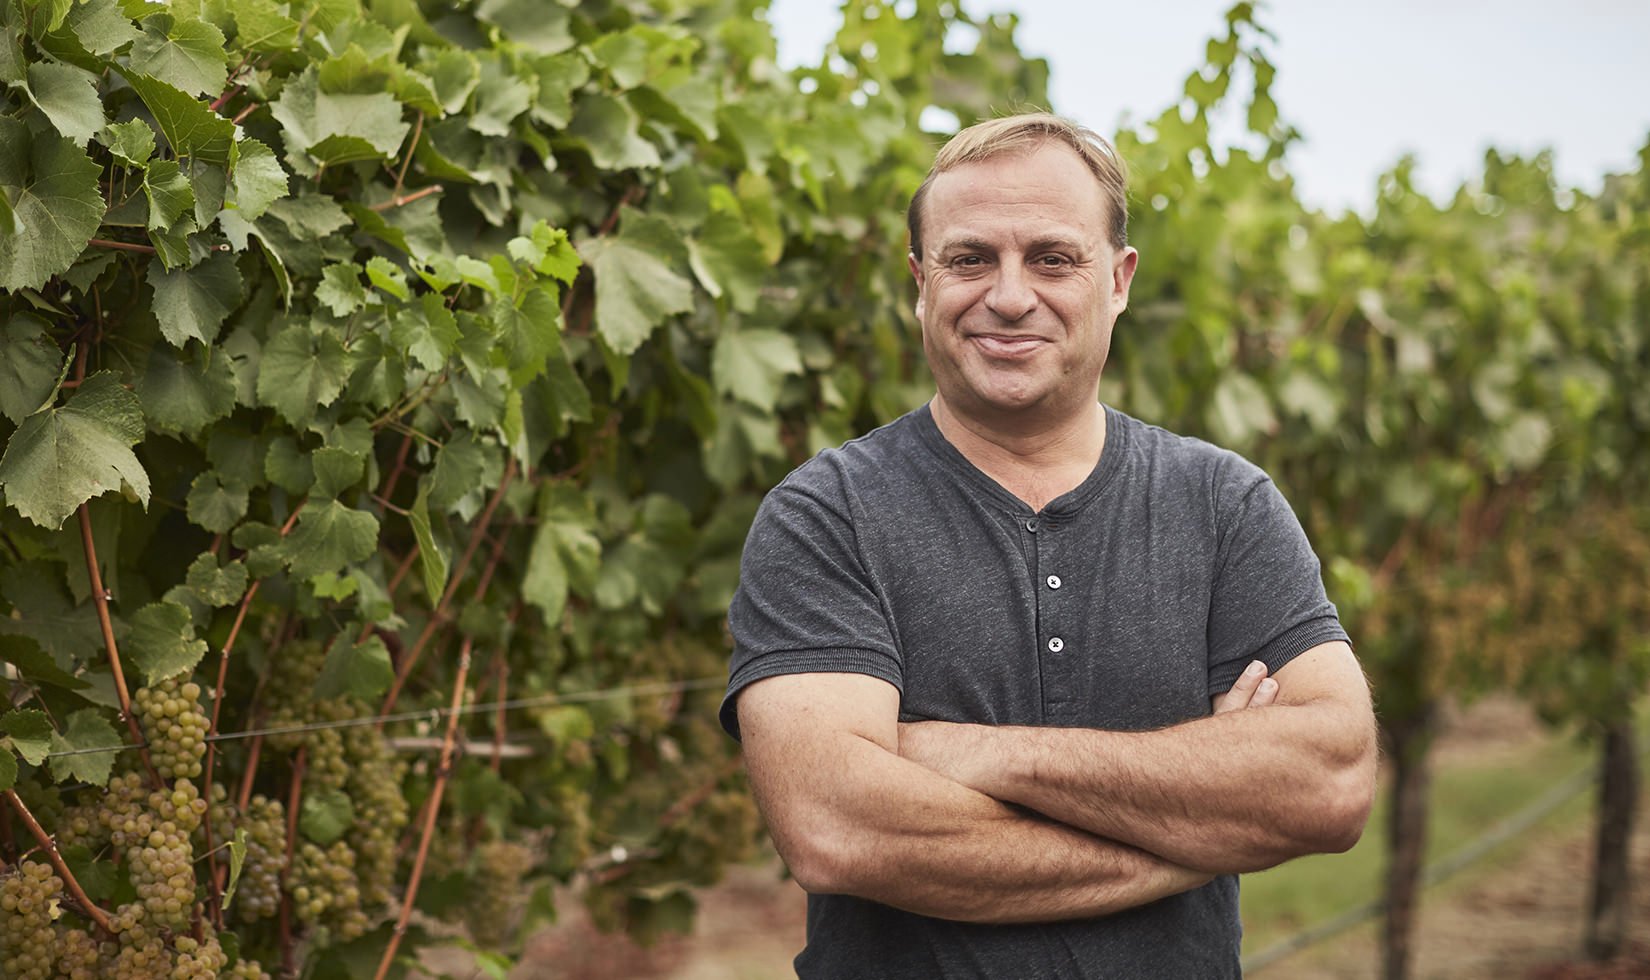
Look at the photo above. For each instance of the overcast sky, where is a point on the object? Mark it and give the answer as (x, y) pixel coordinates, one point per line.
(1364, 82)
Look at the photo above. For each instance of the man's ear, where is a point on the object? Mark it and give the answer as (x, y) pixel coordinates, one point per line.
(915, 265)
(1122, 275)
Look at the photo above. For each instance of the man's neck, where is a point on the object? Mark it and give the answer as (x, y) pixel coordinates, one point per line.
(1034, 460)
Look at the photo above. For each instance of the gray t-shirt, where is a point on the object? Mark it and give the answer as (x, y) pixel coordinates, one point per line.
(1122, 605)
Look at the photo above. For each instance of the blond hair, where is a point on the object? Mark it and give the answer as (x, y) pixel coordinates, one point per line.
(1019, 133)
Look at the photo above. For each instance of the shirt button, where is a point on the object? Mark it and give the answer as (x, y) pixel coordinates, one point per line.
(1054, 582)
(1031, 525)
(1055, 644)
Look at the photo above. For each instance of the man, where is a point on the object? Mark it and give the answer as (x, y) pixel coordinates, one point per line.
(1022, 682)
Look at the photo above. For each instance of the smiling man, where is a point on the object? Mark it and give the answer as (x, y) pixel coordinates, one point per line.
(1023, 683)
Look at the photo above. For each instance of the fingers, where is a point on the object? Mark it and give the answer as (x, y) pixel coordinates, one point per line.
(1252, 689)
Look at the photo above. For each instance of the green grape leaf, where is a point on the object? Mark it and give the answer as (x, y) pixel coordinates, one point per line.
(385, 277)
(131, 142)
(728, 260)
(188, 55)
(500, 97)
(566, 555)
(44, 612)
(609, 130)
(325, 815)
(334, 129)
(455, 75)
(30, 733)
(331, 585)
(190, 127)
(193, 303)
(101, 26)
(52, 187)
(426, 330)
(68, 97)
(544, 28)
(34, 663)
(87, 729)
(181, 397)
(310, 215)
(463, 468)
(162, 643)
(260, 26)
(257, 178)
(215, 505)
(547, 251)
(62, 457)
(361, 671)
(8, 768)
(340, 290)
(1240, 411)
(288, 466)
(302, 368)
(559, 77)
(432, 558)
(214, 585)
(750, 365)
(237, 860)
(170, 195)
(529, 332)
(328, 537)
(336, 470)
(30, 366)
(637, 282)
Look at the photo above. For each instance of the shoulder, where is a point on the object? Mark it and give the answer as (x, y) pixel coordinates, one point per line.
(873, 463)
(1188, 465)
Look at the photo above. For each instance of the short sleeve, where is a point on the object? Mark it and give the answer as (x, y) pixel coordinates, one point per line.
(1268, 599)
(805, 601)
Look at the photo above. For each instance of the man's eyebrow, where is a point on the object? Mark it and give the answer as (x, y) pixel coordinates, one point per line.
(967, 243)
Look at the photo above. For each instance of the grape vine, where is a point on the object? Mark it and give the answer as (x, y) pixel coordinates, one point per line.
(360, 358)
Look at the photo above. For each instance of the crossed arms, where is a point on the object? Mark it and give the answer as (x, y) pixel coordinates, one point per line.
(1003, 824)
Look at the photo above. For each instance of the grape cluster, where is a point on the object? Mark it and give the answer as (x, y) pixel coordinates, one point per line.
(325, 891)
(77, 955)
(197, 960)
(162, 861)
(381, 812)
(175, 724)
(28, 906)
(140, 953)
(258, 890)
(246, 969)
(496, 891)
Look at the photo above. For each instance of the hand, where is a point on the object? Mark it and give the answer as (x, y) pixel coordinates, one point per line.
(1253, 689)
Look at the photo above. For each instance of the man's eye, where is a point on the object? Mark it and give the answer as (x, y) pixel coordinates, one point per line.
(1052, 261)
(967, 262)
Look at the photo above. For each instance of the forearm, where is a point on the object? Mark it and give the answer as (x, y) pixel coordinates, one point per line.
(1238, 791)
(1228, 793)
(897, 833)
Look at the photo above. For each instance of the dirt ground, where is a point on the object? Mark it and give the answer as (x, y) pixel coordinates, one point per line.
(1522, 920)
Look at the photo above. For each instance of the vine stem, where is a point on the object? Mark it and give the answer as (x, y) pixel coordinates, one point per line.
(430, 811)
(406, 161)
(212, 877)
(93, 912)
(403, 199)
(294, 796)
(439, 616)
(101, 599)
(123, 246)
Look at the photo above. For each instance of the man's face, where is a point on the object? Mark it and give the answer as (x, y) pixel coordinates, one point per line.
(1018, 286)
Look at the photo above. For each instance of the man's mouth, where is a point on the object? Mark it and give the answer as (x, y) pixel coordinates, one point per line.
(1007, 345)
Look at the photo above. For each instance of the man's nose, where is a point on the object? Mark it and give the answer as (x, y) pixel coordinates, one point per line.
(1012, 295)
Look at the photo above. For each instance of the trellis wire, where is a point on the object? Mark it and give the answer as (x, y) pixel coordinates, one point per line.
(1437, 871)
(435, 714)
